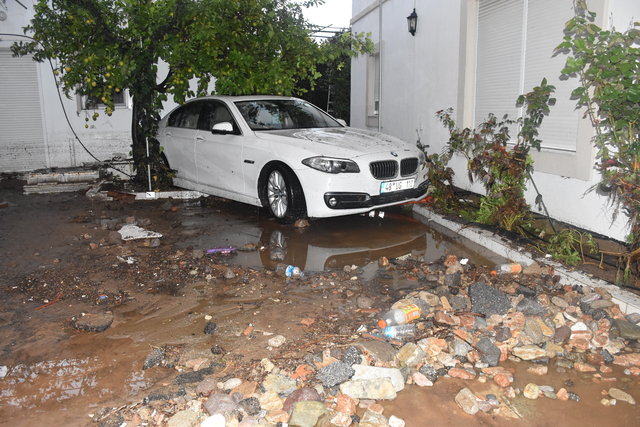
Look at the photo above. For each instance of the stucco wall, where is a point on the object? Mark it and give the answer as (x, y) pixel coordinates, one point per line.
(433, 70)
(105, 138)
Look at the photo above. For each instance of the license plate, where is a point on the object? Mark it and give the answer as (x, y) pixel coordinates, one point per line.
(403, 184)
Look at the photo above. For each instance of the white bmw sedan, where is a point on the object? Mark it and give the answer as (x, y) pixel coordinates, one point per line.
(288, 156)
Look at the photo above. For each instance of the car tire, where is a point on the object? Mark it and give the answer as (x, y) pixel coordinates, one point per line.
(284, 195)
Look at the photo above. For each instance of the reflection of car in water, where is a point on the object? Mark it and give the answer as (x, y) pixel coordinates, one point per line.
(334, 243)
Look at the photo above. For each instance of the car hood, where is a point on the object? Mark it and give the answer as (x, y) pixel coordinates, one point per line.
(353, 141)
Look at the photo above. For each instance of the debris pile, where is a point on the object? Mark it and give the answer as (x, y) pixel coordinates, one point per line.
(472, 327)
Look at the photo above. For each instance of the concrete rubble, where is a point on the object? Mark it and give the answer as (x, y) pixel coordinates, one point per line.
(475, 329)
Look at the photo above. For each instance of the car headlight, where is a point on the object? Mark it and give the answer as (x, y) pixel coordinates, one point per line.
(331, 165)
(422, 158)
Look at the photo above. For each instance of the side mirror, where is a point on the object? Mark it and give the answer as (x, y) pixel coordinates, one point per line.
(342, 122)
(222, 128)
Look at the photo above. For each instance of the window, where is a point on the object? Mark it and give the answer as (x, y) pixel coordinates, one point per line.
(186, 116)
(93, 102)
(515, 44)
(283, 114)
(215, 112)
(373, 89)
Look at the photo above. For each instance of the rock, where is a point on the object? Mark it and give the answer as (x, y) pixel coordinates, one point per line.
(533, 331)
(538, 370)
(562, 334)
(216, 420)
(559, 302)
(429, 372)
(373, 419)
(528, 352)
(306, 413)
(185, 418)
(364, 372)
(467, 401)
(334, 374)
(488, 300)
(627, 360)
(192, 377)
(627, 330)
(583, 367)
(221, 404)
(352, 356)
(461, 373)
(377, 388)
(618, 394)
(502, 333)
(301, 223)
(278, 383)
(377, 350)
(250, 405)
(460, 348)
(410, 355)
(396, 422)
(421, 380)
(93, 322)
(276, 341)
(383, 261)
(270, 401)
(489, 353)
(206, 386)
(300, 395)
(531, 307)
(231, 383)
(345, 404)
(210, 328)
(531, 391)
(229, 274)
(503, 379)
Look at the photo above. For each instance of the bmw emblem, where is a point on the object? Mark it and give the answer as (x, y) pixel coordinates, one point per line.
(394, 154)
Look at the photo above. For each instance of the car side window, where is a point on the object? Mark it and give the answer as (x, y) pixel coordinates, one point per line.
(216, 112)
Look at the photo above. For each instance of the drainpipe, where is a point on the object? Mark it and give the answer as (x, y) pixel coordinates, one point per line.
(380, 65)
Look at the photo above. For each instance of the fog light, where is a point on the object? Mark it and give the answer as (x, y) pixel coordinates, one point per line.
(333, 202)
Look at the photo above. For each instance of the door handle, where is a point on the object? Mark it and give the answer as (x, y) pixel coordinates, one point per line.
(167, 134)
(199, 138)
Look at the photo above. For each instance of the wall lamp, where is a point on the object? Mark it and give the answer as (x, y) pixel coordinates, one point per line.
(412, 21)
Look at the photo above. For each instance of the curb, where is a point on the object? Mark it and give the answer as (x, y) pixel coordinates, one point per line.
(628, 302)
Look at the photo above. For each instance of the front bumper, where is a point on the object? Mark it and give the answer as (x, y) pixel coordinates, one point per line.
(349, 200)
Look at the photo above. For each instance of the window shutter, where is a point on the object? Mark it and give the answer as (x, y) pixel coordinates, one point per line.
(545, 24)
(499, 53)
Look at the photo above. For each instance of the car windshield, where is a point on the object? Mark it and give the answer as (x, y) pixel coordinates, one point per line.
(272, 114)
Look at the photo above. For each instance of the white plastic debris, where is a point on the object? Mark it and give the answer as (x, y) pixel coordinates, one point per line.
(464, 261)
(133, 232)
(3, 371)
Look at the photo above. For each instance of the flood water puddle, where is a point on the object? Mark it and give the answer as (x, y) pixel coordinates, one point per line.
(327, 244)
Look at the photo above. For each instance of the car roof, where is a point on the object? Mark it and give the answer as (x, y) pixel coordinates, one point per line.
(244, 97)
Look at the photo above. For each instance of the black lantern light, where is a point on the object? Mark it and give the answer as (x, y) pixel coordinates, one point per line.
(412, 21)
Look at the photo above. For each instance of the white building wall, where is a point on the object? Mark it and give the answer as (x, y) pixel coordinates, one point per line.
(436, 69)
(104, 138)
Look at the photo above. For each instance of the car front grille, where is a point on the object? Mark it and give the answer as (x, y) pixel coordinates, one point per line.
(384, 169)
(408, 166)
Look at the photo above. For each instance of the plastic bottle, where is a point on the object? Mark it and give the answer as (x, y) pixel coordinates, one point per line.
(509, 268)
(291, 271)
(400, 331)
(402, 312)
